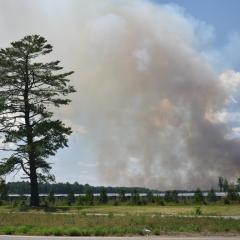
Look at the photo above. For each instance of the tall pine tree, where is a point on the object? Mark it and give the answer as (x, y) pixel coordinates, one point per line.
(28, 88)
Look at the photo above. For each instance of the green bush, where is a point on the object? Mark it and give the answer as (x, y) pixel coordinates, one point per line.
(198, 211)
(22, 206)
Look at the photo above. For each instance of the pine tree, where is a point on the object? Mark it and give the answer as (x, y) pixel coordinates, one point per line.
(71, 198)
(103, 195)
(198, 196)
(89, 195)
(225, 185)
(51, 197)
(220, 183)
(135, 198)
(212, 195)
(121, 195)
(27, 89)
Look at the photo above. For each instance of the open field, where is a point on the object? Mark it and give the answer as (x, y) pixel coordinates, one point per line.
(213, 210)
(206, 210)
(120, 221)
(78, 225)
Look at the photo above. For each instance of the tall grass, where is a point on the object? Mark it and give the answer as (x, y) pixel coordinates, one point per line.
(84, 225)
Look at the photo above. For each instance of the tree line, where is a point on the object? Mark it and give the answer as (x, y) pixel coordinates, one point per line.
(23, 187)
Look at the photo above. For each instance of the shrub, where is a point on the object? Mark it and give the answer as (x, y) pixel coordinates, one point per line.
(198, 211)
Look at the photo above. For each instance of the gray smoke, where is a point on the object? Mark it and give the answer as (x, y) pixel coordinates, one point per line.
(147, 97)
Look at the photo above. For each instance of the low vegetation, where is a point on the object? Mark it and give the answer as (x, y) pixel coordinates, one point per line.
(85, 225)
(101, 215)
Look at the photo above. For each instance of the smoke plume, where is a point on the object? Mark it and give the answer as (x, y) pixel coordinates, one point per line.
(147, 98)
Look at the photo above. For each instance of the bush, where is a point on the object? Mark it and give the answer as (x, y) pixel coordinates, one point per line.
(226, 201)
(23, 206)
(198, 196)
(198, 211)
(9, 230)
(73, 231)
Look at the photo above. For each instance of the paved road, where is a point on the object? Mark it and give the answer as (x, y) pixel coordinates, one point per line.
(116, 238)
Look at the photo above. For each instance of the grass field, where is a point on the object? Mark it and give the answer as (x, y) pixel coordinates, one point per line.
(213, 210)
(120, 220)
(80, 224)
(179, 210)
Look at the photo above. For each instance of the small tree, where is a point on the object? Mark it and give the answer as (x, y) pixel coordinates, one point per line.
(225, 185)
(135, 199)
(71, 198)
(232, 194)
(103, 196)
(238, 184)
(167, 196)
(122, 197)
(212, 196)
(175, 196)
(27, 90)
(51, 197)
(89, 196)
(150, 198)
(198, 196)
(220, 183)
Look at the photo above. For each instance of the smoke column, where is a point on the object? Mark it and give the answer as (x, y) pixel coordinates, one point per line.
(147, 97)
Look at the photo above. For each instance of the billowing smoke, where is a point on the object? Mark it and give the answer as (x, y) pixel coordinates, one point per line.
(147, 98)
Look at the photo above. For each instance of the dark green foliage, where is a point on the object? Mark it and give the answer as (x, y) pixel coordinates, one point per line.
(220, 183)
(212, 196)
(122, 197)
(64, 188)
(159, 200)
(71, 198)
(89, 196)
(167, 197)
(3, 190)
(150, 198)
(232, 194)
(226, 201)
(198, 210)
(198, 196)
(238, 184)
(28, 89)
(171, 196)
(103, 196)
(225, 185)
(135, 198)
(51, 197)
(174, 196)
(81, 200)
(22, 206)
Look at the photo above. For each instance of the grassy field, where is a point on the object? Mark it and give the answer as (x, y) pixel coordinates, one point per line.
(213, 210)
(120, 220)
(81, 224)
(178, 210)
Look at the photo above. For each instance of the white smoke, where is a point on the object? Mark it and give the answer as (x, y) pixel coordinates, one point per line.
(147, 97)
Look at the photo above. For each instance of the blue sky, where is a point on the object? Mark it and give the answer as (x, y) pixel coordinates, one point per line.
(223, 15)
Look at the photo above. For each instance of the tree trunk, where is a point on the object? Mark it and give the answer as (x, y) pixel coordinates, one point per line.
(33, 170)
(34, 188)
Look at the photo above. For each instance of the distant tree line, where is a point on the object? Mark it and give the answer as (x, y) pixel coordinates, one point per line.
(88, 198)
(23, 187)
